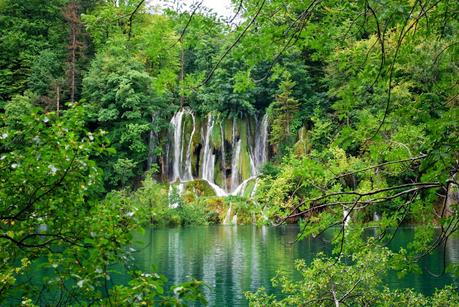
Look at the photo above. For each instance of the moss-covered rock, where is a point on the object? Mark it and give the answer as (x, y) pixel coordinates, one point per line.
(196, 148)
(228, 130)
(216, 136)
(249, 188)
(218, 178)
(244, 163)
(246, 211)
(302, 146)
(217, 205)
(200, 188)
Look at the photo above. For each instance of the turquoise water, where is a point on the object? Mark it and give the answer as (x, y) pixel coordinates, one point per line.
(235, 259)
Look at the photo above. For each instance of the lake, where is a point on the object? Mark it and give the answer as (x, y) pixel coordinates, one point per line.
(235, 259)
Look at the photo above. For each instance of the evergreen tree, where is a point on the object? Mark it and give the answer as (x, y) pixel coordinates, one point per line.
(284, 112)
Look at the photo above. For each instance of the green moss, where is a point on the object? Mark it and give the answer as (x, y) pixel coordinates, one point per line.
(243, 131)
(252, 127)
(187, 130)
(245, 211)
(249, 188)
(216, 137)
(197, 132)
(303, 146)
(217, 205)
(228, 130)
(218, 173)
(196, 142)
(244, 162)
(200, 188)
(189, 196)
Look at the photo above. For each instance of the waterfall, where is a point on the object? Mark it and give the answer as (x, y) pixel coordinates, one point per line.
(176, 123)
(346, 216)
(208, 158)
(181, 149)
(188, 170)
(240, 190)
(235, 166)
(225, 183)
(254, 190)
(226, 220)
(218, 191)
(261, 143)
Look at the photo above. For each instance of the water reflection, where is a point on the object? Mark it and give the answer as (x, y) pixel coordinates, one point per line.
(234, 259)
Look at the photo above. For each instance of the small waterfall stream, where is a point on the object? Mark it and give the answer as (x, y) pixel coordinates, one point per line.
(227, 219)
(225, 183)
(176, 123)
(346, 216)
(261, 143)
(235, 166)
(188, 166)
(208, 160)
(240, 189)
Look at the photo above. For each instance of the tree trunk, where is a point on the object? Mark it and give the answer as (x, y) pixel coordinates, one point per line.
(75, 46)
(72, 63)
(58, 97)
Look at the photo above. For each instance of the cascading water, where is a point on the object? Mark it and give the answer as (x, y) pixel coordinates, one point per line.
(188, 170)
(261, 143)
(240, 190)
(208, 158)
(176, 123)
(225, 183)
(346, 216)
(227, 219)
(235, 166)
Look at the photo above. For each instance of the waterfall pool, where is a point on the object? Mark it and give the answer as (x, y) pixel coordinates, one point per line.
(235, 259)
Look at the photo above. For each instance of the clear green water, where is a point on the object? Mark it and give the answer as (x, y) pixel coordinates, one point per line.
(234, 259)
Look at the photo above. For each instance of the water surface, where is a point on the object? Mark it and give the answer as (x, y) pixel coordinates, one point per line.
(234, 259)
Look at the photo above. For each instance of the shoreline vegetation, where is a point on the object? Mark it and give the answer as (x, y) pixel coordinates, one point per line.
(335, 115)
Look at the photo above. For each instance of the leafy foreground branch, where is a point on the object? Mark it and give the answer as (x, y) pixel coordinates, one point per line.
(59, 241)
(337, 194)
(355, 281)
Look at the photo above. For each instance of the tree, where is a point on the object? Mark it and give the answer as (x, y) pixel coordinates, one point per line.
(52, 218)
(27, 28)
(388, 121)
(122, 99)
(46, 177)
(75, 46)
(46, 80)
(284, 113)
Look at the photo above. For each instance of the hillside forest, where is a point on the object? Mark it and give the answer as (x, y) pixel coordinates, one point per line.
(336, 116)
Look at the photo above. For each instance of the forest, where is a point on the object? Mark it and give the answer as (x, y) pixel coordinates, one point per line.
(126, 118)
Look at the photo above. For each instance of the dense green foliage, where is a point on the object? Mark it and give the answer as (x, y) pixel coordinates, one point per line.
(327, 283)
(362, 99)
